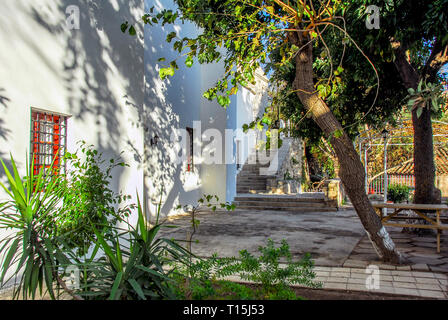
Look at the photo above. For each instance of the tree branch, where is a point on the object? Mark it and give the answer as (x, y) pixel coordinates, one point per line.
(405, 69)
(438, 57)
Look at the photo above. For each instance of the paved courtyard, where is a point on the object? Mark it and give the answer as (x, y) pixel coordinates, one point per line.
(330, 237)
(336, 241)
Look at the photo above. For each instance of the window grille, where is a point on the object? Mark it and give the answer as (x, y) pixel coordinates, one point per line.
(48, 141)
(190, 164)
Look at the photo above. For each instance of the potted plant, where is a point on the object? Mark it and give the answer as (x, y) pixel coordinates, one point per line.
(397, 193)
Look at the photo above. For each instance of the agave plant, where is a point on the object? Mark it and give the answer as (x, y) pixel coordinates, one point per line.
(29, 252)
(134, 264)
(125, 264)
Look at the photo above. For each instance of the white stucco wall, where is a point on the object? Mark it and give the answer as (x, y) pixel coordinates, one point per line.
(108, 82)
(177, 103)
(95, 74)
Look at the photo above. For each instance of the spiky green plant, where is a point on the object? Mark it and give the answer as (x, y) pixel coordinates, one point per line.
(134, 263)
(28, 251)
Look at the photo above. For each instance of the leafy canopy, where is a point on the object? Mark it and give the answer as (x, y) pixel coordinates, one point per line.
(241, 33)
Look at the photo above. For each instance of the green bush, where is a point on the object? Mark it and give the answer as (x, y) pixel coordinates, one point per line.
(397, 193)
(33, 202)
(125, 263)
(88, 199)
(132, 266)
(206, 275)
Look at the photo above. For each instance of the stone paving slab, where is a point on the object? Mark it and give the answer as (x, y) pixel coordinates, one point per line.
(420, 250)
(353, 279)
(411, 283)
(329, 237)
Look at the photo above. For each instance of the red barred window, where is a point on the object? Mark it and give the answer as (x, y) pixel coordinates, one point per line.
(190, 164)
(48, 141)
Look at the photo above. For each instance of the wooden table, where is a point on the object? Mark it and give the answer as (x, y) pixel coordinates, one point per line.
(418, 209)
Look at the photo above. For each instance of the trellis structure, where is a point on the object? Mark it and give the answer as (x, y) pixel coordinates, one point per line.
(377, 143)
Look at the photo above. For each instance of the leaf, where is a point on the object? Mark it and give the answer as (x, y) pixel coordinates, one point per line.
(224, 101)
(132, 31)
(238, 10)
(411, 102)
(171, 36)
(189, 62)
(419, 88)
(165, 72)
(435, 105)
(11, 253)
(137, 288)
(107, 249)
(124, 27)
(419, 112)
(153, 272)
(270, 10)
(141, 221)
(115, 286)
(338, 133)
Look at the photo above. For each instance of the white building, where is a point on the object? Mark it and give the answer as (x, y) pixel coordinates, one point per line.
(102, 86)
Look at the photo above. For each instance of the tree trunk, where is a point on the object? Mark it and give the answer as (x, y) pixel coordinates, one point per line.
(351, 170)
(424, 168)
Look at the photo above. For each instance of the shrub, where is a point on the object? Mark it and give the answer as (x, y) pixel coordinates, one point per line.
(88, 200)
(132, 267)
(275, 280)
(125, 264)
(397, 193)
(30, 248)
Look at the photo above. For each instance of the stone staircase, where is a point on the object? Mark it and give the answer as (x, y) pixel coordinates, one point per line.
(252, 191)
(274, 202)
(249, 179)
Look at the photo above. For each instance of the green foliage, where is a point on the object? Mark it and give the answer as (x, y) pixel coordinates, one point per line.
(266, 270)
(125, 263)
(397, 193)
(356, 92)
(33, 203)
(209, 201)
(248, 32)
(427, 95)
(133, 265)
(88, 199)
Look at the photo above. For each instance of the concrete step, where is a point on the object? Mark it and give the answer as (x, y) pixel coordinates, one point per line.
(254, 175)
(255, 165)
(282, 204)
(251, 182)
(252, 186)
(277, 198)
(253, 171)
(252, 178)
(287, 209)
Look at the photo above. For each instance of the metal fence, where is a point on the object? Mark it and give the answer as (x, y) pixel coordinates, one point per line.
(376, 186)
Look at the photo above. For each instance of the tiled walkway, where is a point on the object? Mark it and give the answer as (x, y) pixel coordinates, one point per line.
(391, 282)
(420, 251)
(412, 283)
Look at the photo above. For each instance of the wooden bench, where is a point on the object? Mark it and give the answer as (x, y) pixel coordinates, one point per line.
(418, 209)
